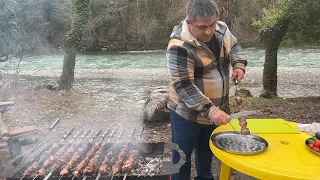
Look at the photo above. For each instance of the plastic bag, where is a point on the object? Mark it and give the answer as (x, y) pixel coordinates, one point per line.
(311, 129)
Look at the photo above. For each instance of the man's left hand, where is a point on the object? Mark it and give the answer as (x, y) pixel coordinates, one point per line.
(237, 74)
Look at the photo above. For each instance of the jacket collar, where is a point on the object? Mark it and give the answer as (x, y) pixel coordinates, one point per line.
(183, 33)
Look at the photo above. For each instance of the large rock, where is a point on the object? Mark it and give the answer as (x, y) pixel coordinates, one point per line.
(155, 108)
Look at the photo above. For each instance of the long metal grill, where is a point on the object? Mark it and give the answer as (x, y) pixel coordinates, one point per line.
(93, 156)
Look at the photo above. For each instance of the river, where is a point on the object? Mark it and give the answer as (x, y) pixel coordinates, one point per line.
(130, 76)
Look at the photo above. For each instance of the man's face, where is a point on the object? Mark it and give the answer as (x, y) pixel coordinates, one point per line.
(203, 29)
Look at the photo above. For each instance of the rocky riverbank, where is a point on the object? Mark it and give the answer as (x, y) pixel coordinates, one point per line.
(106, 98)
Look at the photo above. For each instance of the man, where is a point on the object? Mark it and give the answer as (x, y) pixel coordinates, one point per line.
(199, 55)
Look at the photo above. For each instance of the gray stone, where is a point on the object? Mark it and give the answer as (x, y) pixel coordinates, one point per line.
(155, 108)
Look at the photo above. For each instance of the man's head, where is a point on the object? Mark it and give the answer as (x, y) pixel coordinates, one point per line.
(202, 16)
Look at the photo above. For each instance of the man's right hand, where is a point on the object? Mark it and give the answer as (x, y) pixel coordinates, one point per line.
(220, 118)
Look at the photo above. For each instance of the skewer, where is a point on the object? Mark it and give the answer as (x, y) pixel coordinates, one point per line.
(139, 135)
(81, 165)
(125, 147)
(100, 141)
(60, 177)
(48, 176)
(77, 155)
(81, 138)
(45, 156)
(99, 175)
(66, 135)
(35, 177)
(100, 150)
(125, 176)
(23, 177)
(52, 126)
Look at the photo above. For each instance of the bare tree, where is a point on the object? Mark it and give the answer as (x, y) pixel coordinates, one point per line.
(81, 13)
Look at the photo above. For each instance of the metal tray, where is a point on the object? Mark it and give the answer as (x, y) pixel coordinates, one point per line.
(236, 143)
(314, 152)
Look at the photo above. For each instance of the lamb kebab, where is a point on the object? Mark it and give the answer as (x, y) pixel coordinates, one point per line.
(46, 155)
(90, 168)
(67, 147)
(129, 163)
(60, 161)
(120, 158)
(104, 165)
(240, 106)
(79, 168)
(77, 155)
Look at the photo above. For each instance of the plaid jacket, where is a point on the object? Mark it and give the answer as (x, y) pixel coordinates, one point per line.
(199, 82)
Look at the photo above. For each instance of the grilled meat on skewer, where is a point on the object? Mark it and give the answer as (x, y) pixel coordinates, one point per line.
(120, 158)
(104, 165)
(242, 120)
(129, 163)
(77, 155)
(94, 161)
(78, 170)
(47, 154)
(116, 168)
(36, 164)
(72, 161)
(64, 159)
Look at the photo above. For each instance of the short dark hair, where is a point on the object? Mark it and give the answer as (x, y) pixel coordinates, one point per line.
(201, 8)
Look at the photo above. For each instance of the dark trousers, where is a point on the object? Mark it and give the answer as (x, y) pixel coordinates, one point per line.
(189, 135)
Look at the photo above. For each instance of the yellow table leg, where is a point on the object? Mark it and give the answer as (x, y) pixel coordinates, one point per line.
(225, 172)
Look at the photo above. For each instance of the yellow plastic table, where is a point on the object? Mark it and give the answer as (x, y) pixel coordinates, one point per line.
(286, 158)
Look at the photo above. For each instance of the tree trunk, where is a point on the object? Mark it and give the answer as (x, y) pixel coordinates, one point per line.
(81, 13)
(270, 71)
(272, 39)
(48, 16)
(138, 21)
(224, 11)
(69, 61)
(120, 17)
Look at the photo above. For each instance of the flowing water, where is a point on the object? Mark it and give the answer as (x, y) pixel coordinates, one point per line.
(130, 76)
(287, 57)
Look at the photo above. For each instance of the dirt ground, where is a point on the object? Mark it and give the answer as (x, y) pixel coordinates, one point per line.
(82, 110)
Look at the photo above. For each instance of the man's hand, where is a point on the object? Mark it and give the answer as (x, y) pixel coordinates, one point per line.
(220, 118)
(237, 74)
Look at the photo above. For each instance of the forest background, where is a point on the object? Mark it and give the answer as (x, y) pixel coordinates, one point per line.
(141, 24)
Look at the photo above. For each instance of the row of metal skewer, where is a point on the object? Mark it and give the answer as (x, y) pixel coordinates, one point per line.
(67, 156)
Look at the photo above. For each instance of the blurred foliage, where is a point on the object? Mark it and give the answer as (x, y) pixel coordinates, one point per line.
(142, 24)
(303, 17)
(81, 13)
(8, 26)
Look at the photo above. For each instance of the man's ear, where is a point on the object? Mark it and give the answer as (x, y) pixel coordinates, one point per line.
(188, 22)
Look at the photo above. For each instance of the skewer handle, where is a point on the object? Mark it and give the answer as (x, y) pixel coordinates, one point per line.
(140, 133)
(132, 132)
(122, 132)
(105, 133)
(48, 176)
(84, 135)
(95, 135)
(98, 177)
(54, 124)
(125, 176)
(113, 132)
(67, 134)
